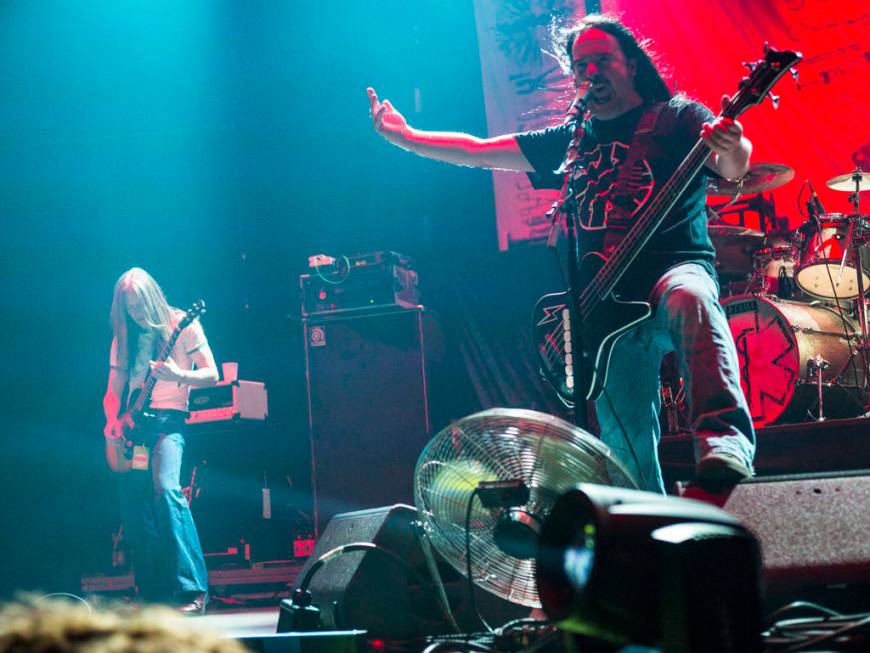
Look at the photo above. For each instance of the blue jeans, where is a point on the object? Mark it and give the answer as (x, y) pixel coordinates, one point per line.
(688, 320)
(167, 556)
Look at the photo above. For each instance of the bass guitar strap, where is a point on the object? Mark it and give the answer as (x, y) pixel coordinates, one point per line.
(620, 219)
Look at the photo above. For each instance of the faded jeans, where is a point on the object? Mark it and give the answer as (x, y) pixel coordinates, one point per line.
(688, 320)
(167, 556)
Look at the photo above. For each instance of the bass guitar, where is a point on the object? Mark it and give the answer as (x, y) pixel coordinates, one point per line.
(601, 318)
(120, 451)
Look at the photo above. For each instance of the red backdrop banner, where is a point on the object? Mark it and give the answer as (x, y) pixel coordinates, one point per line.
(820, 128)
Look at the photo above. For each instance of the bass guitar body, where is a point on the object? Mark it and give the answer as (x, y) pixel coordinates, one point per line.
(582, 376)
(120, 451)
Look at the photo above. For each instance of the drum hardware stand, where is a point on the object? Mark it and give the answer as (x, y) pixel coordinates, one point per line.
(849, 235)
(669, 407)
(860, 241)
(739, 205)
(673, 404)
(816, 366)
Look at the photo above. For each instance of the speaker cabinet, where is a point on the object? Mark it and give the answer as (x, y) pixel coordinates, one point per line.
(388, 589)
(368, 589)
(814, 529)
(368, 380)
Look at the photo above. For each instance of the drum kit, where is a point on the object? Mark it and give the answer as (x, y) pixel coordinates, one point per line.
(795, 303)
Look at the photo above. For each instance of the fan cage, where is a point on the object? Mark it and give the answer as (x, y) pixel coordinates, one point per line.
(547, 453)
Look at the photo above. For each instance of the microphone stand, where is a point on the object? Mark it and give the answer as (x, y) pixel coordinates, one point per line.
(581, 412)
(563, 207)
(860, 241)
(567, 207)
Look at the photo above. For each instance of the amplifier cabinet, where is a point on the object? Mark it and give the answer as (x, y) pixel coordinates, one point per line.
(368, 382)
(228, 401)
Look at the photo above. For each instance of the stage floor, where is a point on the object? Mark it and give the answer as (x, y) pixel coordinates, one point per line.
(239, 623)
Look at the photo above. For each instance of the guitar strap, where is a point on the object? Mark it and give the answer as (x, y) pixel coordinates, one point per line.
(629, 177)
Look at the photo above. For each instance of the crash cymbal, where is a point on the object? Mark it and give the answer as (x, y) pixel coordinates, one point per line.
(847, 182)
(734, 247)
(760, 177)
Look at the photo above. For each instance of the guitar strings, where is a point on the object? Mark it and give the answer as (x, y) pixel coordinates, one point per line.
(151, 380)
(609, 274)
(550, 341)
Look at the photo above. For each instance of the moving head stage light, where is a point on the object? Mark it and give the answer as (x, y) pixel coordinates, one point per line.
(622, 566)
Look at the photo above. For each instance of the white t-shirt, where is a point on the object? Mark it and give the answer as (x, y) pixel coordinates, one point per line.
(167, 395)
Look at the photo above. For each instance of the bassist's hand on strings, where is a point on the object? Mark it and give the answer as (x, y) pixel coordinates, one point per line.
(168, 370)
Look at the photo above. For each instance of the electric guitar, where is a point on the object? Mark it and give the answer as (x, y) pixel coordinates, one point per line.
(119, 452)
(601, 318)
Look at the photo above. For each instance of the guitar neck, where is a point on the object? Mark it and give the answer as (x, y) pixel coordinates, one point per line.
(628, 249)
(151, 380)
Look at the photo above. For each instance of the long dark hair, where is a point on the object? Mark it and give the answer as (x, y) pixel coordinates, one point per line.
(648, 81)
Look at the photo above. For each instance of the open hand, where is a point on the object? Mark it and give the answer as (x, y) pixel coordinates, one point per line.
(388, 122)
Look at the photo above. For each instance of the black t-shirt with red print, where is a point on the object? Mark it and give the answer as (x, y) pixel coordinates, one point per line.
(604, 147)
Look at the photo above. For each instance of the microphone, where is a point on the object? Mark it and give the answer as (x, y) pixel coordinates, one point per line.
(578, 105)
(815, 202)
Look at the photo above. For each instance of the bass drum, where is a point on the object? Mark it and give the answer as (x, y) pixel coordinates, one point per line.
(776, 339)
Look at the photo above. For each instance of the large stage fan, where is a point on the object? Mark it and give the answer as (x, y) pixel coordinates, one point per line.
(518, 462)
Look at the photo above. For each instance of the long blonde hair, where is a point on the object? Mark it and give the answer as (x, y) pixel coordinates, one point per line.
(52, 625)
(156, 310)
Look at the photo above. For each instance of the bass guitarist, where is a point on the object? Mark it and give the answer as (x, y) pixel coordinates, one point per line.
(675, 273)
(167, 555)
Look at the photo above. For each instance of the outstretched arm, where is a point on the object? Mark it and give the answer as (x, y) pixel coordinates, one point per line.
(499, 152)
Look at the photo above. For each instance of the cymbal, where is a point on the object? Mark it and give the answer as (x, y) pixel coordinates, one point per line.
(760, 177)
(734, 247)
(847, 182)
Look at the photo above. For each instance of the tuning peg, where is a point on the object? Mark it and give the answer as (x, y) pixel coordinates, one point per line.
(750, 65)
(766, 47)
(774, 99)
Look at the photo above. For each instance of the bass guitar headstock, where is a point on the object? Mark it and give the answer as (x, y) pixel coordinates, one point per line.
(196, 309)
(763, 76)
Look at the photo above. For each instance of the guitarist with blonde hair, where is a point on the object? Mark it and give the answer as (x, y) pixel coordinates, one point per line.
(159, 351)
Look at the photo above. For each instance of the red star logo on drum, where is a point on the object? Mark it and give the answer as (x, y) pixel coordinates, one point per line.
(767, 370)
